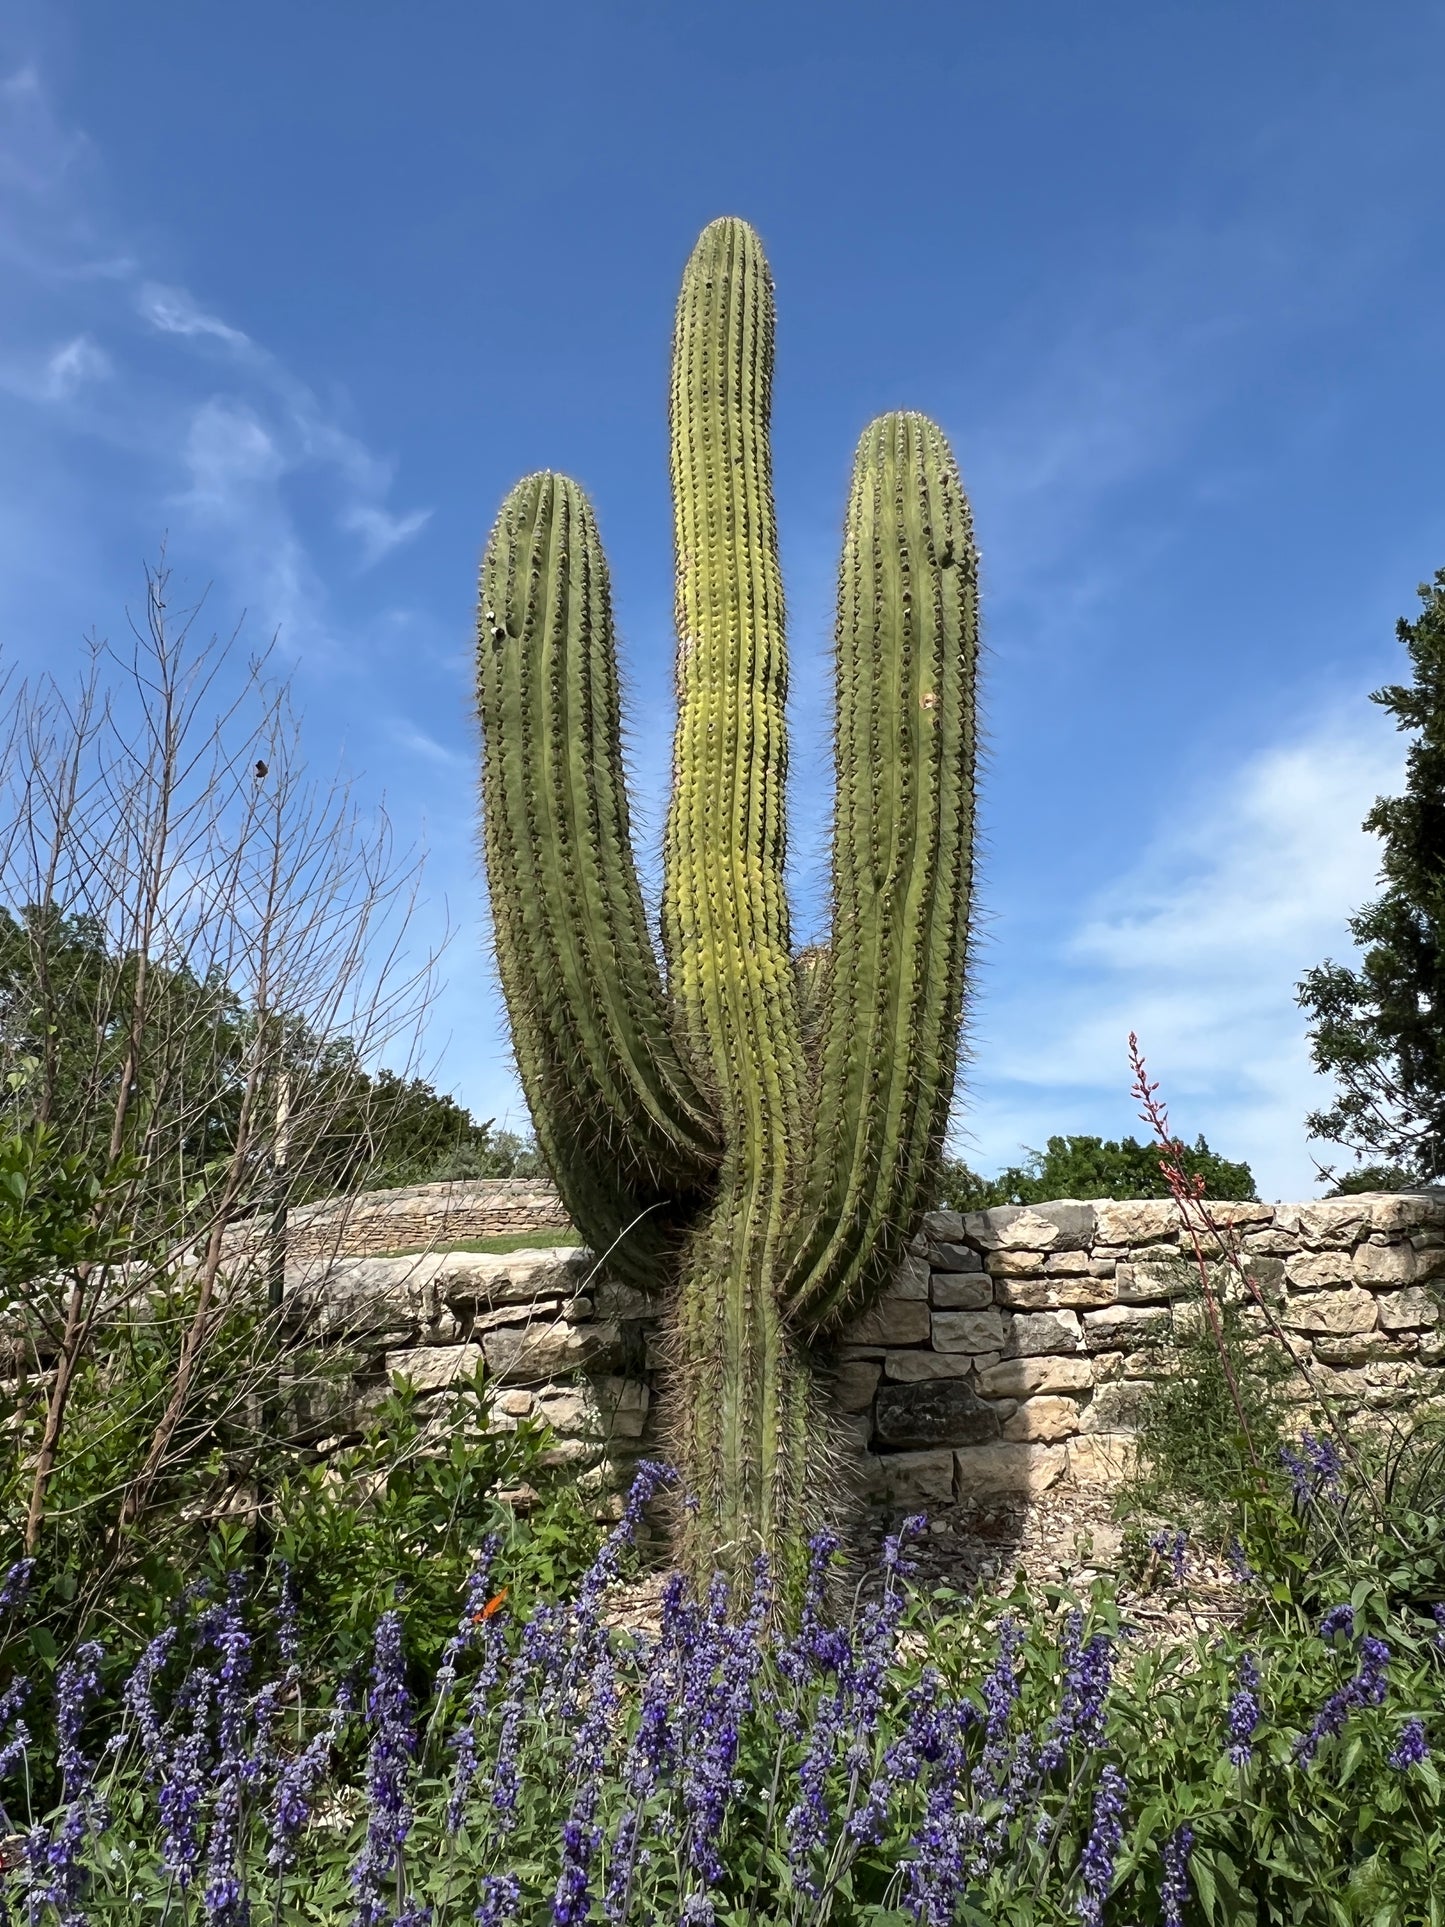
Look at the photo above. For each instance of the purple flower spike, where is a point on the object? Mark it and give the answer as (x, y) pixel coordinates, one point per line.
(1174, 1547)
(1244, 1711)
(1411, 1750)
(1174, 1887)
(393, 1748)
(16, 1584)
(1339, 1619)
(1106, 1835)
(500, 1894)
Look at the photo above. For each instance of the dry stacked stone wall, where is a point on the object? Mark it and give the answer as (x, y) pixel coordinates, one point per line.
(414, 1218)
(1008, 1356)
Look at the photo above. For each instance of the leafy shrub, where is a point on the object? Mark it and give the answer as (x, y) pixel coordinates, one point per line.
(1090, 1167)
(1006, 1761)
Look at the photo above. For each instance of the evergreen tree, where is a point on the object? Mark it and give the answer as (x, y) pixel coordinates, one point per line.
(1379, 1030)
(1090, 1167)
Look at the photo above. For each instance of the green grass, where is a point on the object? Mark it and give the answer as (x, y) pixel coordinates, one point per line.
(539, 1240)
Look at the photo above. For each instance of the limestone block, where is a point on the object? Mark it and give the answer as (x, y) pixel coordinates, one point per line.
(1008, 1467)
(1326, 1223)
(566, 1411)
(985, 1361)
(1272, 1242)
(916, 1367)
(1100, 1458)
(892, 1321)
(1154, 1284)
(962, 1291)
(1025, 1377)
(517, 1404)
(622, 1405)
(481, 1279)
(1108, 1366)
(934, 1412)
(431, 1368)
(1407, 1210)
(1411, 1310)
(1319, 1270)
(373, 1301)
(1330, 1311)
(911, 1478)
(854, 1382)
(1016, 1264)
(969, 1331)
(944, 1227)
(1067, 1264)
(1063, 1225)
(1397, 1263)
(1382, 1382)
(1358, 1348)
(1123, 1325)
(611, 1300)
(1035, 1333)
(911, 1278)
(1114, 1408)
(527, 1354)
(1140, 1221)
(1054, 1294)
(948, 1255)
(1241, 1211)
(1042, 1420)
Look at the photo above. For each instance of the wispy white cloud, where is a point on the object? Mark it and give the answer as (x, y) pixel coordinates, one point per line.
(173, 312)
(409, 737)
(1198, 947)
(71, 366)
(380, 530)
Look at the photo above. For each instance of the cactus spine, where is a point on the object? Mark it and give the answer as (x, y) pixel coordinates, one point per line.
(763, 1132)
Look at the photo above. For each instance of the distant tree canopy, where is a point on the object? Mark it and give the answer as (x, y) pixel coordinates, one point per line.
(1089, 1167)
(65, 1046)
(1379, 1030)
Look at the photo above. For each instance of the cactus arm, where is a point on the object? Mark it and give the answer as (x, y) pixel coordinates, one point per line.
(741, 1417)
(623, 1122)
(907, 652)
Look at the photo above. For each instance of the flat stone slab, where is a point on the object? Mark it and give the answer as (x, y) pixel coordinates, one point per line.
(940, 1411)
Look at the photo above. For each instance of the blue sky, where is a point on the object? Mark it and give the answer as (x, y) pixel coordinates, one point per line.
(305, 288)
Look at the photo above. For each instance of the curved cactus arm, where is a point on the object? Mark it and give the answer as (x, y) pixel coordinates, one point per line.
(623, 1121)
(907, 652)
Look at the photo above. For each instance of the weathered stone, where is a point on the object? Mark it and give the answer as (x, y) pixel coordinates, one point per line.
(527, 1354)
(854, 1432)
(893, 1321)
(1042, 1420)
(1410, 1310)
(612, 1300)
(1405, 1210)
(382, 1300)
(1386, 1264)
(911, 1478)
(944, 1226)
(854, 1384)
(1016, 1264)
(1154, 1284)
(935, 1412)
(911, 1278)
(1381, 1382)
(1330, 1311)
(916, 1367)
(1114, 1408)
(1025, 1377)
(1046, 1331)
(566, 1411)
(622, 1406)
(517, 1404)
(1065, 1224)
(984, 1470)
(969, 1331)
(1120, 1325)
(431, 1368)
(1139, 1221)
(1273, 1242)
(962, 1291)
(1100, 1458)
(1358, 1348)
(1067, 1264)
(950, 1256)
(1054, 1294)
(1326, 1223)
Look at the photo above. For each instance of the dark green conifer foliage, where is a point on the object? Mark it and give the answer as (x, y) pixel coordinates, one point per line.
(1379, 1029)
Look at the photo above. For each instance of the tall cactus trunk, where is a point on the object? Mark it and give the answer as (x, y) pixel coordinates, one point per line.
(762, 1133)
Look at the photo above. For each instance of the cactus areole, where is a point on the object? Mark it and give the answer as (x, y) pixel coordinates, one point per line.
(751, 1132)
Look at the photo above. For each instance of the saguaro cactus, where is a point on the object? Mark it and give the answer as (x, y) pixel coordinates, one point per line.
(761, 1133)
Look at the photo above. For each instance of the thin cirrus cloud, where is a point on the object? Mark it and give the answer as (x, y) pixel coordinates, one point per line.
(1198, 948)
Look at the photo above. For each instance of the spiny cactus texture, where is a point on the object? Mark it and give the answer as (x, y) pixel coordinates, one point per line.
(759, 1134)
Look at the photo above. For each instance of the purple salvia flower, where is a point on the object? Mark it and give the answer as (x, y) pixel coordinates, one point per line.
(288, 1622)
(393, 1748)
(182, 1791)
(1172, 1546)
(500, 1895)
(1243, 1571)
(934, 1867)
(77, 1684)
(138, 1696)
(224, 1628)
(224, 1899)
(296, 1783)
(1325, 1461)
(1244, 1711)
(473, 1618)
(1367, 1688)
(16, 1585)
(464, 1741)
(1088, 1673)
(718, 1692)
(1437, 1613)
(1106, 1834)
(1411, 1750)
(1339, 1619)
(1174, 1887)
